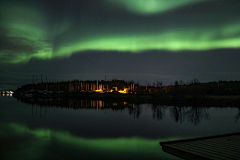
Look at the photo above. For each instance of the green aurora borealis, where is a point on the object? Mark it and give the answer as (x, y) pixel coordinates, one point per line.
(140, 40)
(151, 6)
(28, 31)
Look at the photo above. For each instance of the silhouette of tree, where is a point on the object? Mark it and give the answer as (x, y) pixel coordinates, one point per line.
(181, 82)
(132, 81)
(176, 83)
(153, 84)
(195, 81)
(159, 83)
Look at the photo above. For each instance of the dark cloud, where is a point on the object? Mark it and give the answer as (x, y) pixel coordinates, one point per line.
(14, 48)
(18, 44)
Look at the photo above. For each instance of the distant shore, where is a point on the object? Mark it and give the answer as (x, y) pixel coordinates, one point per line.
(222, 93)
(186, 100)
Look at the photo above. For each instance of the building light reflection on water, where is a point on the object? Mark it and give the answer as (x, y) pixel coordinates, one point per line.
(97, 104)
(6, 95)
(77, 104)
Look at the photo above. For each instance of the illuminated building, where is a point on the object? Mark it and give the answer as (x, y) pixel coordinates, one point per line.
(119, 86)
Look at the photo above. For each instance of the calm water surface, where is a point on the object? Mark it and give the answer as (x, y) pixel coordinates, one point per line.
(134, 132)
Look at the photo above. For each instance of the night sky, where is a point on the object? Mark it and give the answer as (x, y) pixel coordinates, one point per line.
(140, 40)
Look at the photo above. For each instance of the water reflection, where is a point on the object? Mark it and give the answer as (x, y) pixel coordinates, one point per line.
(196, 114)
(178, 113)
(158, 111)
(135, 111)
(5, 95)
(71, 128)
(237, 116)
(77, 104)
(20, 140)
(192, 114)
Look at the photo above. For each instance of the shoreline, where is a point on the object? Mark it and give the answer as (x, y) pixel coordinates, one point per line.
(184, 100)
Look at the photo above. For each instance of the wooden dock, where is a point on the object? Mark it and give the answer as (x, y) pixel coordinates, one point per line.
(222, 147)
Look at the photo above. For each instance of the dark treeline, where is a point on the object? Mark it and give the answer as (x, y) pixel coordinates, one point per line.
(193, 88)
(221, 93)
(210, 88)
